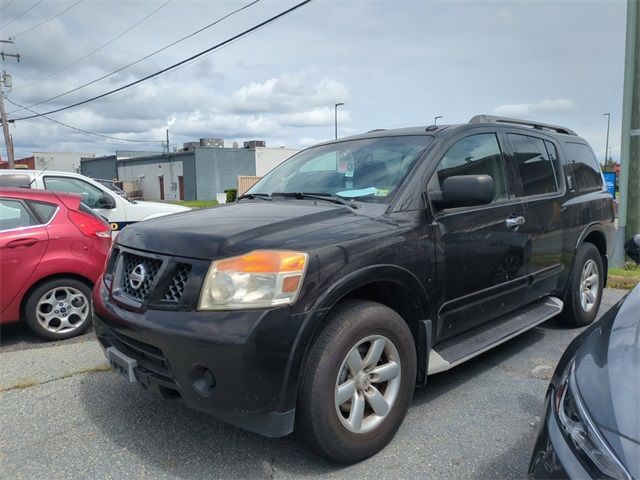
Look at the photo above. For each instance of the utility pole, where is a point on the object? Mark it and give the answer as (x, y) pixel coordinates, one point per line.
(5, 81)
(606, 148)
(168, 151)
(629, 209)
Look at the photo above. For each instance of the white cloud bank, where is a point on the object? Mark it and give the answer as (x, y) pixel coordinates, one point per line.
(546, 106)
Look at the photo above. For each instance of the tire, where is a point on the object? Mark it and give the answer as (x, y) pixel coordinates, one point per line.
(59, 309)
(331, 429)
(585, 265)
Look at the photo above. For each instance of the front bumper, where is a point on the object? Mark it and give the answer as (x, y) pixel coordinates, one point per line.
(552, 456)
(247, 354)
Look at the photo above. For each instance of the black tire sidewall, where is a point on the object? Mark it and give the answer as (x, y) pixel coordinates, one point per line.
(357, 321)
(34, 297)
(574, 314)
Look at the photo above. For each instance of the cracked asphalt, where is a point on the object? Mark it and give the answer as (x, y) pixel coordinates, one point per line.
(63, 416)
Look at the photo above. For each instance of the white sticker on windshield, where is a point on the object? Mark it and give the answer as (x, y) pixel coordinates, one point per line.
(350, 168)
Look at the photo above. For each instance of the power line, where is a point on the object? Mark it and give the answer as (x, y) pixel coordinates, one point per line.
(145, 57)
(47, 20)
(8, 3)
(96, 50)
(80, 129)
(22, 14)
(171, 67)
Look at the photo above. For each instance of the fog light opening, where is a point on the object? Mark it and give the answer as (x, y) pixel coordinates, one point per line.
(203, 380)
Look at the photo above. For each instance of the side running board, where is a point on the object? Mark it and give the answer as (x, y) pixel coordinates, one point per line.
(467, 345)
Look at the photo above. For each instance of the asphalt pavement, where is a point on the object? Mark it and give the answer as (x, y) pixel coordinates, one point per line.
(63, 414)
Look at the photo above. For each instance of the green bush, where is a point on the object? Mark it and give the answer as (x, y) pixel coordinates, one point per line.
(232, 193)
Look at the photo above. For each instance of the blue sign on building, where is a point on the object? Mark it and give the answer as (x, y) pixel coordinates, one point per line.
(610, 182)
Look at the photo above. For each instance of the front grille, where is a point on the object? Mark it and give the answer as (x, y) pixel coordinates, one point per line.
(140, 288)
(175, 289)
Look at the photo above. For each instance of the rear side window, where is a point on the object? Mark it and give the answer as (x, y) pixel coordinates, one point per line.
(15, 180)
(534, 164)
(13, 214)
(89, 193)
(44, 210)
(474, 155)
(586, 168)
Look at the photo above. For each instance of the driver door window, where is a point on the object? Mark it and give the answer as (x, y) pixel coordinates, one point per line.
(90, 194)
(474, 155)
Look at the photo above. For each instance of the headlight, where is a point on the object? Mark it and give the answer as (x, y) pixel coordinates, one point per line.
(262, 278)
(580, 430)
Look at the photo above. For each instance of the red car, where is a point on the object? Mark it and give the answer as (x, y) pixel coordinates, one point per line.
(52, 251)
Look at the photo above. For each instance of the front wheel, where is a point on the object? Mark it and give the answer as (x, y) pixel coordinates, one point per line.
(358, 383)
(585, 287)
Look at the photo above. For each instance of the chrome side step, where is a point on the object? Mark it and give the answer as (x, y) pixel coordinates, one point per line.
(469, 344)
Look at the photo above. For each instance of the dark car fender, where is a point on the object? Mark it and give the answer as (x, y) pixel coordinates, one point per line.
(317, 318)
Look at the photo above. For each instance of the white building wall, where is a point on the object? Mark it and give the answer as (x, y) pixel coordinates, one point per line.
(60, 161)
(148, 174)
(269, 158)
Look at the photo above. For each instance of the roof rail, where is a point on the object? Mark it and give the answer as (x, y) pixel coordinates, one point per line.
(526, 123)
(377, 130)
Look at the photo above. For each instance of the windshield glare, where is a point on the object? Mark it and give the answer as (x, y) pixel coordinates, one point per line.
(368, 170)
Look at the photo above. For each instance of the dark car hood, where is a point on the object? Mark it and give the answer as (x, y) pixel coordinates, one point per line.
(608, 374)
(239, 227)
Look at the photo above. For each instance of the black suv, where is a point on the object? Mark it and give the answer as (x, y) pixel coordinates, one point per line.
(355, 269)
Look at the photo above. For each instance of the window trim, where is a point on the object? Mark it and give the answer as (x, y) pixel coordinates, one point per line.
(439, 213)
(560, 176)
(29, 212)
(603, 186)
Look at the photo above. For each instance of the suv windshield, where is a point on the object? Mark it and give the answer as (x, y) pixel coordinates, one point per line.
(370, 169)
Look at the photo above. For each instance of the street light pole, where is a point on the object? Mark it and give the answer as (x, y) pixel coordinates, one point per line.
(606, 149)
(335, 117)
(435, 119)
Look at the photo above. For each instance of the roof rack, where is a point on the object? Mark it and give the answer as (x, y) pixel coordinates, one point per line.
(526, 123)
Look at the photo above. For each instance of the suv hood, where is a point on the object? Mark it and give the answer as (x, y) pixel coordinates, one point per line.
(608, 372)
(240, 227)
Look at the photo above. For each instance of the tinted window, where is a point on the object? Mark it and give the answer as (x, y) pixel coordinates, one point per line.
(89, 193)
(14, 215)
(15, 180)
(586, 168)
(534, 165)
(44, 210)
(474, 155)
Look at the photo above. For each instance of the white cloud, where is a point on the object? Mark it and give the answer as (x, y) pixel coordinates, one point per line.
(546, 106)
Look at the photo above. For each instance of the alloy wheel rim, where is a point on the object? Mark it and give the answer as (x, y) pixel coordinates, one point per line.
(368, 383)
(589, 285)
(62, 309)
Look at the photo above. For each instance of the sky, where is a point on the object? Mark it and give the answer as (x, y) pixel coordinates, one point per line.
(393, 63)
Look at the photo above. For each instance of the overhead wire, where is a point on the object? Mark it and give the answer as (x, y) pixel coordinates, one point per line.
(200, 30)
(47, 20)
(121, 139)
(22, 14)
(177, 64)
(8, 3)
(97, 49)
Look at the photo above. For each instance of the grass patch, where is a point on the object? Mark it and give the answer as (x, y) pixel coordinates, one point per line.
(26, 383)
(196, 203)
(625, 278)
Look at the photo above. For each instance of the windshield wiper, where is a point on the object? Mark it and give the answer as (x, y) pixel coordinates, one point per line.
(251, 196)
(327, 197)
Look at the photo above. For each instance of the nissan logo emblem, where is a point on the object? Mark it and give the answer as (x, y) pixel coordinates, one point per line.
(138, 274)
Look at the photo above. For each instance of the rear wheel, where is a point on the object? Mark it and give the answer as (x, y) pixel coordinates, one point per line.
(359, 382)
(59, 309)
(585, 287)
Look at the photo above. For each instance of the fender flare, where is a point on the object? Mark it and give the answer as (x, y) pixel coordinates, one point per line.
(337, 291)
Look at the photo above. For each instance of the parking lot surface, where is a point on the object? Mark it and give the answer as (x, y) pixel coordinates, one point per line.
(63, 414)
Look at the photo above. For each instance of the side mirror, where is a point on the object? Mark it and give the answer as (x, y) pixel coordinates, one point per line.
(465, 191)
(632, 247)
(106, 202)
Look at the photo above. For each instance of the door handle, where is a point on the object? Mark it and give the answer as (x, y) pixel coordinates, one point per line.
(22, 242)
(514, 222)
